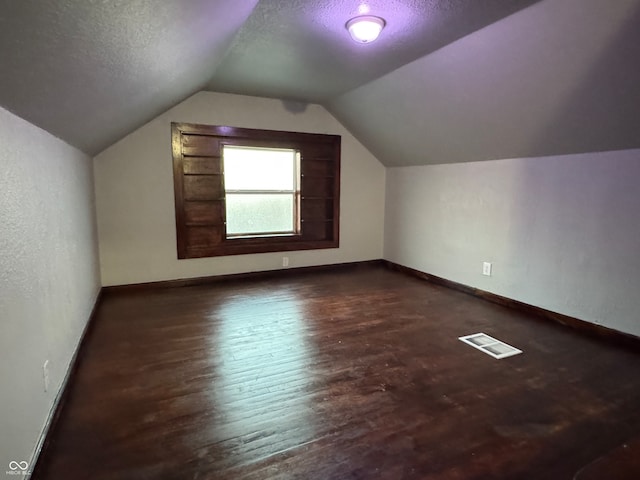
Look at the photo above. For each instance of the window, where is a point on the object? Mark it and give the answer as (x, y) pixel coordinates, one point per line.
(261, 191)
(243, 191)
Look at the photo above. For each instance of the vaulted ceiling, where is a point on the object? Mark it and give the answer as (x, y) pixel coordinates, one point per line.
(448, 80)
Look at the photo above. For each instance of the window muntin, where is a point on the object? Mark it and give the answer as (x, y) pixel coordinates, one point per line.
(261, 191)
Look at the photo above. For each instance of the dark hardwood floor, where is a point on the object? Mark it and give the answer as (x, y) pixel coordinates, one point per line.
(351, 374)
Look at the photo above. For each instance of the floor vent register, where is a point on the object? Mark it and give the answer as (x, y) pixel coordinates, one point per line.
(490, 345)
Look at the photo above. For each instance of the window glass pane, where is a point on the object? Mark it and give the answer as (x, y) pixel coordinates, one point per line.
(247, 168)
(259, 213)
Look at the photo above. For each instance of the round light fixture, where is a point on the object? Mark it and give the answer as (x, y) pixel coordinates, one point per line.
(365, 29)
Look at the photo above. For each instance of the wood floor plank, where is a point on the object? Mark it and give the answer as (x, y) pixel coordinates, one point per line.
(349, 374)
(623, 463)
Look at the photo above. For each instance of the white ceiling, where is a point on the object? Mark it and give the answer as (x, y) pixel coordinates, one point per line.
(560, 77)
(449, 80)
(301, 50)
(91, 71)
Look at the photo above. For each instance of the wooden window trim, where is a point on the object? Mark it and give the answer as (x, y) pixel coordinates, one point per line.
(198, 187)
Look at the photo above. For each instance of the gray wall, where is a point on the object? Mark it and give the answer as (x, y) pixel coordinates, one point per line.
(563, 232)
(49, 276)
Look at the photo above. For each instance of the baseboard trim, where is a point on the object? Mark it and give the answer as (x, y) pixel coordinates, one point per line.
(588, 328)
(189, 282)
(62, 396)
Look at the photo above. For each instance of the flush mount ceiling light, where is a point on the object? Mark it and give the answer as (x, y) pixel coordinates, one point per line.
(365, 29)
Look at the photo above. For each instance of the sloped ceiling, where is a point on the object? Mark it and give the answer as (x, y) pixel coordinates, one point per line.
(300, 49)
(560, 77)
(448, 81)
(92, 71)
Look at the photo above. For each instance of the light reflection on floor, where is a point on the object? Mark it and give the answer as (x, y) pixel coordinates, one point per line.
(262, 360)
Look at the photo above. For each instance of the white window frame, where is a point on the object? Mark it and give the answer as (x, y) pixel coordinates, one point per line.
(294, 193)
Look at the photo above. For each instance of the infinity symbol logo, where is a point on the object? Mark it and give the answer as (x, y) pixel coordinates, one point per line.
(13, 465)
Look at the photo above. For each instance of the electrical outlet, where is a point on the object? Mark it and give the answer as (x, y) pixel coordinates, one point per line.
(45, 375)
(486, 269)
(285, 261)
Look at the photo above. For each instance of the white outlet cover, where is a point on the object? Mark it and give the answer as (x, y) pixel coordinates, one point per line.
(45, 375)
(486, 268)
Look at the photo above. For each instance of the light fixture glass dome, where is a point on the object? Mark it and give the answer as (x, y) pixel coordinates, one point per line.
(365, 29)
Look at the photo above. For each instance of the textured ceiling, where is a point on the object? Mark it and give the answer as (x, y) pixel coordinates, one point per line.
(91, 71)
(301, 50)
(448, 80)
(560, 77)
